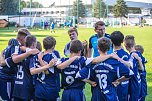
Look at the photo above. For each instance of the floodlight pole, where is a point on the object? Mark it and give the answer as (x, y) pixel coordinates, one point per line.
(19, 8)
(100, 8)
(30, 11)
(77, 10)
(107, 7)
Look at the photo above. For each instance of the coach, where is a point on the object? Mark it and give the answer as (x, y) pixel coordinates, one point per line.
(93, 41)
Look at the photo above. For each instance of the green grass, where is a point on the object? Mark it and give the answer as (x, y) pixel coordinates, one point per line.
(142, 35)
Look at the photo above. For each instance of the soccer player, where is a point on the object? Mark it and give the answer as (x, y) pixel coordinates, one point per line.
(23, 87)
(73, 34)
(135, 81)
(47, 85)
(93, 41)
(52, 26)
(8, 73)
(105, 74)
(117, 39)
(73, 88)
(143, 92)
(9, 78)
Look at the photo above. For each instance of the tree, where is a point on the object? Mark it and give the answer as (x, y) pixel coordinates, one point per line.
(99, 9)
(120, 9)
(9, 7)
(34, 5)
(23, 5)
(78, 9)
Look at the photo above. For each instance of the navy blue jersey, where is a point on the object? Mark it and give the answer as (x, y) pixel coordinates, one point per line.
(142, 72)
(69, 73)
(104, 74)
(47, 85)
(23, 87)
(3, 90)
(135, 81)
(93, 43)
(122, 89)
(8, 72)
(56, 53)
(67, 50)
(144, 61)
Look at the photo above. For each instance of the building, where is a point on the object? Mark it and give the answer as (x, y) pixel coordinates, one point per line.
(63, 8)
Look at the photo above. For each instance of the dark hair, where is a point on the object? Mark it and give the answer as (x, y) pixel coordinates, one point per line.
(129, 41)
(139, 48)
(104, 44)
(72, 29)
(76, 46)
(13, 42)
(117, 38)
(29, 40)
(39, 46)
(99, 23)
(49, 42)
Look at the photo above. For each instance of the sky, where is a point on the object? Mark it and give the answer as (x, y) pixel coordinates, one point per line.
(47, 3)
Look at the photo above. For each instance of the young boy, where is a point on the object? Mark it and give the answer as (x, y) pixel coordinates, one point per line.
(47, 85)
(117, 39)
(23, 88)
(73, 88)
(143, 92)
(73, 35)
(7, 74)
(105, 73)
(135, 81)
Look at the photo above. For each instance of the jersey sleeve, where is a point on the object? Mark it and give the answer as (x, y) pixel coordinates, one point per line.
(57, 54)
(9, 62)
(53, 69)
(15, 50)
(84, 73)
(67, 50)
(32, 63)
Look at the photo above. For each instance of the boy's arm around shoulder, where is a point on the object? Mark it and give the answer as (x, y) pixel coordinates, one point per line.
(43, 68)
(67, 62)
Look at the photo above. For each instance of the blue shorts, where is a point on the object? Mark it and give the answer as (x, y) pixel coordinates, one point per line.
(3, 90)
(143, 91)
(73, 95)
(46, 93)
(98, 95)
(122, 92)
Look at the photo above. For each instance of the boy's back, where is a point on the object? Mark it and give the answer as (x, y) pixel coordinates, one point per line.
(104, 74)
(8, 72)
(69, 73)
(143, 92)
(73, 88)
(23, 87)
(122, 89)
(47, 84)
(135, 81)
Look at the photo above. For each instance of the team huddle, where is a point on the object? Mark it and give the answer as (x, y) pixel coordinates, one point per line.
(29, 74)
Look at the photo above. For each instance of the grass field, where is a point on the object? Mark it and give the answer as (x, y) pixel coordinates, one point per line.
(142, 35)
